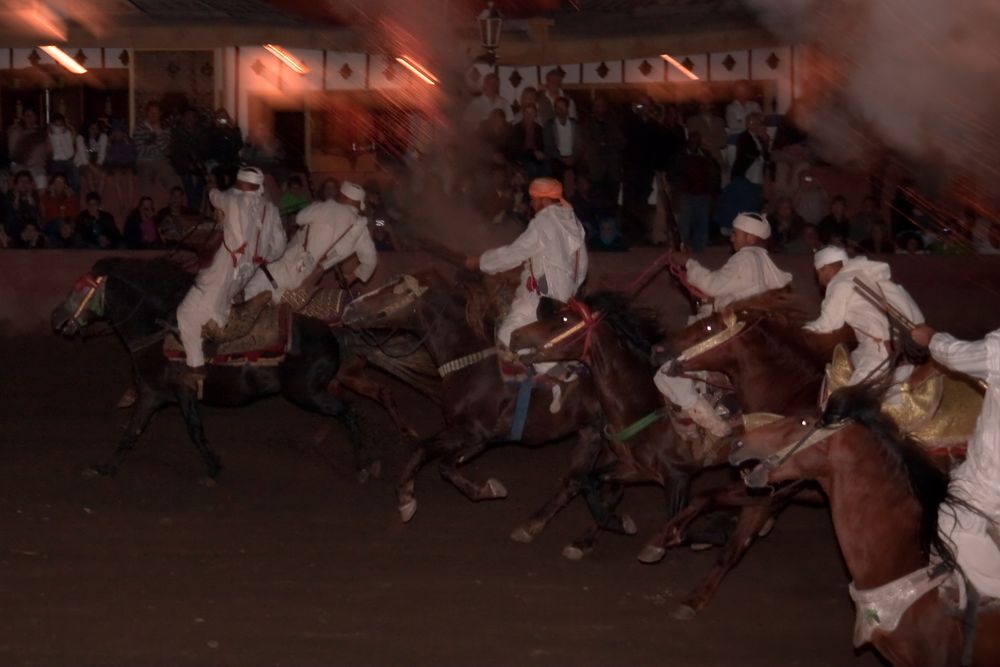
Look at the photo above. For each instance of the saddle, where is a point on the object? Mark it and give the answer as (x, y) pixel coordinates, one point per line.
(322, 303)
(932, 407)
(264, 341)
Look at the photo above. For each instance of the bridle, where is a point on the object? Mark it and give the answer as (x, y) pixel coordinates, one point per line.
(815, 434)
(94, 300)
(734, 328)
(583, 328)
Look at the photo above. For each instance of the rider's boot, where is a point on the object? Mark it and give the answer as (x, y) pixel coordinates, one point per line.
(703, 414)
(192, 377)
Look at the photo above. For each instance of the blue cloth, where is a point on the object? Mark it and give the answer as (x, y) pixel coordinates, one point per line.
(740, 196)
(696, 212)
(521, 407)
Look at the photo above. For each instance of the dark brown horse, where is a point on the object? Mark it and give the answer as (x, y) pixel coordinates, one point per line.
(478, 405)
(885, 494)
(763, 348)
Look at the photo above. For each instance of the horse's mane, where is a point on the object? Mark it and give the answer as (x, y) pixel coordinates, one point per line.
(929, 484)
(778, 305)
(160, 279)
(637, 327)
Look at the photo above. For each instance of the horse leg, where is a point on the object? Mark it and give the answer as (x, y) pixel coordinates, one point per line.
(145, 407)
(676, 491)
(192, 419)
(602, 502)
(351, 375)
(364, 464)
(446, 442)
(488, 490)
(672, 534)
(582, 461)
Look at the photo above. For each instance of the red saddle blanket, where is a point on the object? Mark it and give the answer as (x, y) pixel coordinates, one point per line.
(267, 342)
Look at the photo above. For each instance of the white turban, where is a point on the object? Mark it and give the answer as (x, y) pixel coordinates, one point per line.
(251, 175)
(354, 192)
(753, 223)
(831, 254)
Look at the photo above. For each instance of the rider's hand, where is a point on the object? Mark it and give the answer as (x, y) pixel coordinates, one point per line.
(922, 334)
(472, 263)
(680, 256)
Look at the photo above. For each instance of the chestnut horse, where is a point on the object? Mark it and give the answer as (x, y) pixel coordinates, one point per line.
(773, 364)
(885, 494)
(478, 405)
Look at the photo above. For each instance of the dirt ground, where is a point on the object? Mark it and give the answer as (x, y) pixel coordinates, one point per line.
(288, 561)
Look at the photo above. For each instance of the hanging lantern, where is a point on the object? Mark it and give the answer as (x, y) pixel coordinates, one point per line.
(490, 28)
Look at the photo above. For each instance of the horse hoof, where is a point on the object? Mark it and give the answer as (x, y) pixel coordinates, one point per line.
(651, 554)
(628, 525)
(573, 552)
(522, 534)
(683, 612)
(90, 472)
(375, 469)
(100, 470)
(408, 509)
(494, 489)
(363, 475)
(768, 527)
(208, 482)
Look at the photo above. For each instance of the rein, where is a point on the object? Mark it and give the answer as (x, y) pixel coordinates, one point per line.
(585, 328)
(734, 329)
(757, 478)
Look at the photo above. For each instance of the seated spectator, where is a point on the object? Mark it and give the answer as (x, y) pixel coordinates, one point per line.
(96, 228)
(785, 223)
(91, 152)
(22, 207)
(121, 152)
(174, 219)
(59, 202)
(807, 241)
(62, 234)
(294, 198)
(62, 149)
(609, 238)
(30, 237)
(811, 200)
(862, 222)
(835, 227)
(328, 190)
(140, 227)
(878, 242)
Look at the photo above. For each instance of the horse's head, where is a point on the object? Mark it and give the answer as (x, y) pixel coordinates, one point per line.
(82, 306)
(783, 448)
(391, 306)
(564, 331)
(706, 345)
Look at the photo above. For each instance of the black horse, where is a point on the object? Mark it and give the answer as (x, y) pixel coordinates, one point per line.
(139, 297)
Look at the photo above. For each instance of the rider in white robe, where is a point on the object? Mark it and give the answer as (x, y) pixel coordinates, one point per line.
(329, 232)
(552, 253)
(748, 272)
(976, 480)
(844, 304)
(251, 234)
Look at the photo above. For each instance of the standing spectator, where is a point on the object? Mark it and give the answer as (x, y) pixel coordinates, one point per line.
(174, 219)
(59, 205)
(811, 199)
(119, 164)
(494, 136)
(587, 206)
(604, 143)
(140, 227)
(152, 142)
(527, 145)
(497, 202)
(550, 94)
(23, 207)
(490, 100)
(328, 189)
(739, 110)
(861, 223)
(906, 217)
(187, 154)
(91, 151)
(785, 223)
(224, 145)
(529, 95)
(95, 227)
(563, 140)
(28, 145)
(877, 243)
(835, 227)
(698, 183)
(753, 155)
(713, 132)
(643, 139)
(806, 242)
(265, 151)
(62, 149)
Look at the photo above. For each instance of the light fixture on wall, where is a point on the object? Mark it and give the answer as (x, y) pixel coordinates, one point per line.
(490, 29)
(680, 67)
(64, 59)
(287, 58)
(418, 70)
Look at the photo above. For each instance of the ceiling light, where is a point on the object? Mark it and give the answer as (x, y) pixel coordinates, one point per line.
(287, 58)
(683, 70)
(415, 67)
(64, 59)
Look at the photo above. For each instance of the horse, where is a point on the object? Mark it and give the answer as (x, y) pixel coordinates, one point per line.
(479, 406)
(139, 297)
(885, 494)
(773, 364)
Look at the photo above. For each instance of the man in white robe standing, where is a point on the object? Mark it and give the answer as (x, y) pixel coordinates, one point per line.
(552, 253)
(975, 481)
(329, 233)
(844, 304)
(749, 272)
(251, 235)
